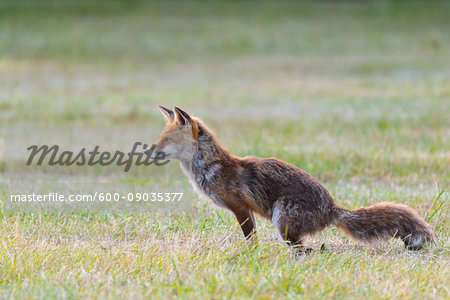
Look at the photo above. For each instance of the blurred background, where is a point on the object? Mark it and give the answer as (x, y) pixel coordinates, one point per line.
(352, 92)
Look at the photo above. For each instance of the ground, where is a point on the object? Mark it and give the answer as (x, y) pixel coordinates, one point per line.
(357, 94)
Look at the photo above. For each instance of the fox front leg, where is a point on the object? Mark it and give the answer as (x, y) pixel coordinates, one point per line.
(246, 219)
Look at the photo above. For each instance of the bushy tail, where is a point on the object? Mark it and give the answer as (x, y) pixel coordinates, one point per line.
(386, 220)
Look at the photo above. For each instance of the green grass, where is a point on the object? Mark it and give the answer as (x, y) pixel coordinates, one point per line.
(357, 94)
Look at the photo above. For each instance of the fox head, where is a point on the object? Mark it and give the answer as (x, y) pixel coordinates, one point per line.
(178, 139)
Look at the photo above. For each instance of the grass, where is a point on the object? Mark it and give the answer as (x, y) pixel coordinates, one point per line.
(357, 94)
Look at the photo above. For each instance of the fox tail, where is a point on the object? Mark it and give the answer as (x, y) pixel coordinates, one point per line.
(386, 220)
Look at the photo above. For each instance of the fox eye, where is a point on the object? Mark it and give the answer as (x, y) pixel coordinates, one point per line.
(167, 139)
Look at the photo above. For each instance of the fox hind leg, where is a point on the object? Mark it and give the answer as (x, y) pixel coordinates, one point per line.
(289, 227)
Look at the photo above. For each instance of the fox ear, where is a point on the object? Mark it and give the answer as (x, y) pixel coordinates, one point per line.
(181, 117)
(168, 114)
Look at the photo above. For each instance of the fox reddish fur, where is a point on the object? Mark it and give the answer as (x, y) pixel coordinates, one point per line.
(296, 202)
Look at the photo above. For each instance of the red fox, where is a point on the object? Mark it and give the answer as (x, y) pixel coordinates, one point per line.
(296, 202)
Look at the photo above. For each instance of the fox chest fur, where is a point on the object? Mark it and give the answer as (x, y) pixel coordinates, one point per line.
(204, 178)
(225, 184)
(229, 185)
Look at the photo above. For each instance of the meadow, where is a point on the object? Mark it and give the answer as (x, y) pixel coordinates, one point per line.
(356, 94)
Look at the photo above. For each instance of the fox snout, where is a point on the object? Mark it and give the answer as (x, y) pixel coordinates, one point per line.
(160, 158)
(153, 152)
